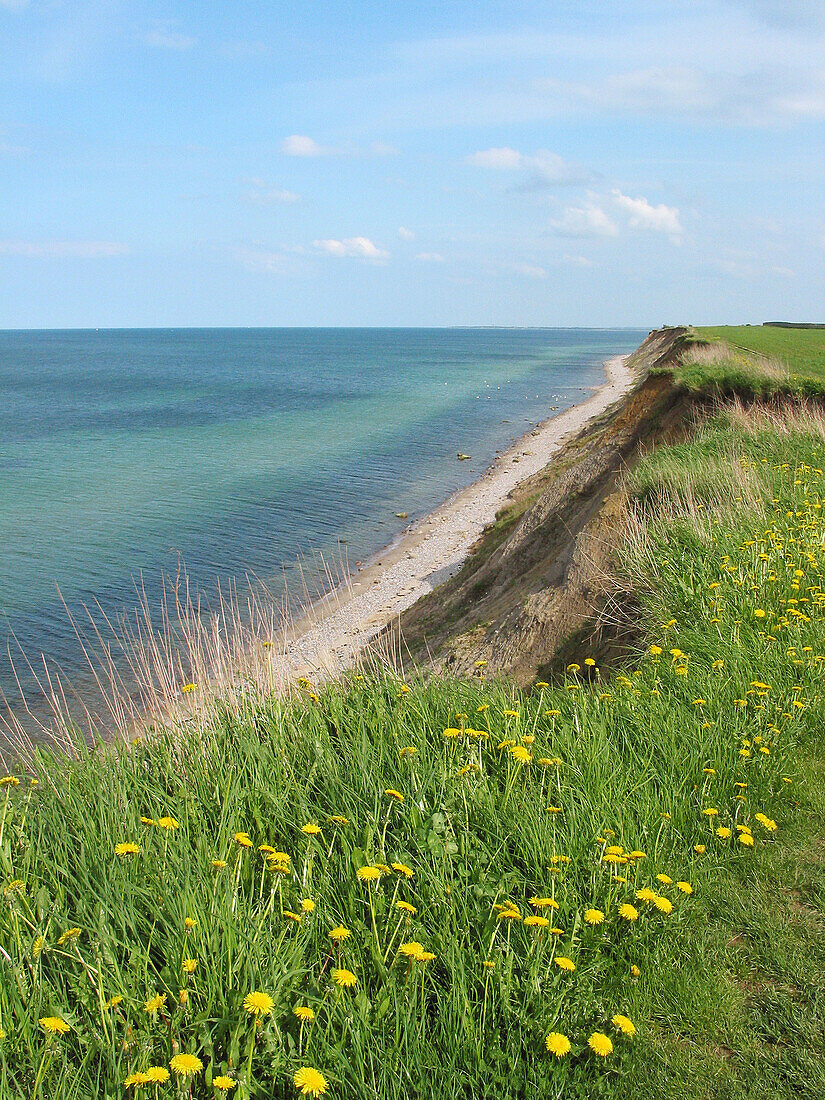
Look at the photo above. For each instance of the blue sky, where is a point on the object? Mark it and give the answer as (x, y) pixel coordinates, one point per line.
(366, 163)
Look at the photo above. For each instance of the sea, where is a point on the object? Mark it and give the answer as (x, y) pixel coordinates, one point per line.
(127, 456)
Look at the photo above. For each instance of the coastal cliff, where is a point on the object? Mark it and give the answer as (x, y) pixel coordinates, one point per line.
(542, 575)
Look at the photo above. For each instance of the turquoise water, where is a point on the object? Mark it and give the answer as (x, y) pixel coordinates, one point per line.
(123, 453)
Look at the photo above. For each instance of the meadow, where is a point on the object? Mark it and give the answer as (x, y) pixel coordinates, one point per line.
(390, 886)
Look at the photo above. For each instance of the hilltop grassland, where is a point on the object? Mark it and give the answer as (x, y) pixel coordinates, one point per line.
(612, 886)
(755, 360)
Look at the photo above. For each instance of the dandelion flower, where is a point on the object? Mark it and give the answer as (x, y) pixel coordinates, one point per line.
(186, 1065)
(593, 916)
(310, 1081)
(723, 832)
(710, 811)
(339, 934)
(403, 869)
(258, 1004)
(746, 839)
(223, 1083)
(565, 964)
(411, 950)
(168, 823)
(219, 864)
(664, 905)
(243, 840)
(127, 848)
(54, 1025)
(392, 793)
(521, 754)
(699, 849)
(189, 965)
(600, 1044)
(345, 979)
(154, 1003)
(304, 1013)
(189, 923)
(368, 874)
(665, 880)
(623, 1024)
(544, 903)
(405, 907)
(628, 912)
(113, 1002)
(69, 934)
(534, 921)
(646, 894)
(557, 1044)
(311, 829)
(685, 887)
(157, 1075)
(135, 1079)
(635, 971)
(308, 905)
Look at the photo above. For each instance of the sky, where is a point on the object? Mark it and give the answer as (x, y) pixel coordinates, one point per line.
(372, 162)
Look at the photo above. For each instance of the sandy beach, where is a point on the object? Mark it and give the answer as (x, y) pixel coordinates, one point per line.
(331, 633)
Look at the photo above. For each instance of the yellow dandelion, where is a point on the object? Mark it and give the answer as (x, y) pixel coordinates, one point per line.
(544, 903)
(746, 839)
(368, 874)
(311, 829)
(557, 1044)
(664, 905)
(723, 832)
(310, 1081)
(593, 916)
(243, 840)
(600, 1044)
(258, 1004)
(113, 1002)
(345, 979)
(392, 793)
(564, 963)
(521, 754)
(403, 869)
(223, 1083)
(646, 894)
(54, 1025)
(534, 921)
(168, 823)
(304, 1013)
(127, 848)
(189, 923)
(628, 912)
(219, 864)
(69, 934)
(186, 1065)
(157, 1075)
(635, 971)
(189, 965)
(685, 887)
(700, 849)
(308, 905)
(339, 934)
(154, 1003)
(623, 1024)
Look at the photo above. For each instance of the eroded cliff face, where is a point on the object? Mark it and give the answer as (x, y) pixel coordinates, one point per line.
(542, 574)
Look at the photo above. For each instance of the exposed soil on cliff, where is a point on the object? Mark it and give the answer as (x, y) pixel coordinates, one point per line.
(541, 577)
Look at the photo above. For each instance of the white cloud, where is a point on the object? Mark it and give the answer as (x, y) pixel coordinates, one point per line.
(531, 271)
(503, 158)
(430, 257)
(164, 37)
(544, 168)
(84, 250)
(262, 193)
(642, 215)
(405, 234)
(299, 145)
(587, 220)
(360, 248)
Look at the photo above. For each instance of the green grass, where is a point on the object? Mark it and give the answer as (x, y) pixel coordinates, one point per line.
(728, 998)
(753, 361)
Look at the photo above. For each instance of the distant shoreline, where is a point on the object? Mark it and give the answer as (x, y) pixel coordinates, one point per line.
(327, 636)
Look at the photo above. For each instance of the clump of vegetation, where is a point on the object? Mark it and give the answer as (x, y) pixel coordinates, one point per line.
(450, 888)
(749, 361)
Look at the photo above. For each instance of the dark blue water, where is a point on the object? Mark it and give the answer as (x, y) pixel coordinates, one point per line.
(123, 453)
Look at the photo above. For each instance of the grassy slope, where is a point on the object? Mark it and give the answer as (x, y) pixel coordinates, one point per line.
(728, 1000)
(758, 360)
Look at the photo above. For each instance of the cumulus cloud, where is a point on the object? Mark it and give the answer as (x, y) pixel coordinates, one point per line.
(430, 257)
(56, 250)
(262, 193)
(405, 234)
(642, 215)
(544, 168)
(587, 220)
(359, 248)
(299, 145)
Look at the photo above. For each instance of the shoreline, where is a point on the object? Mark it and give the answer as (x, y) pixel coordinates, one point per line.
(330, 634)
